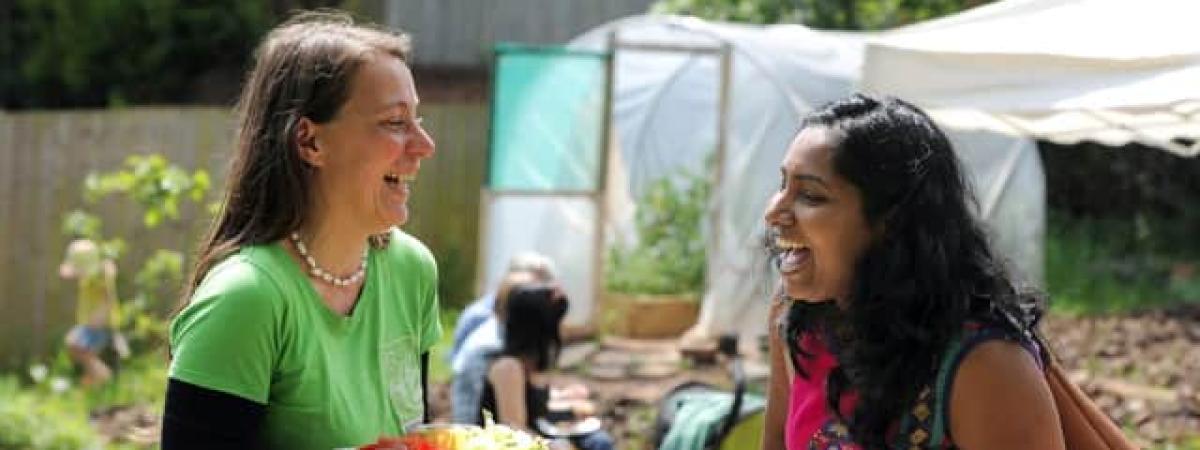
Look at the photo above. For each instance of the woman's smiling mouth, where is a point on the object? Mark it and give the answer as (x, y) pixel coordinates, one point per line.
(794, 255)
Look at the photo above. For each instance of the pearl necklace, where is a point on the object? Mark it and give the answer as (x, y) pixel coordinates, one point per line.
(323, 274)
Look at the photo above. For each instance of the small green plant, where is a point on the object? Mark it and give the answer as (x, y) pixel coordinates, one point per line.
(48, 414)
(669, 257)
(44, 409)
(151, 181)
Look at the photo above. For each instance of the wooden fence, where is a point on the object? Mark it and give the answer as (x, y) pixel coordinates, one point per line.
(462, 33)
(44, 157)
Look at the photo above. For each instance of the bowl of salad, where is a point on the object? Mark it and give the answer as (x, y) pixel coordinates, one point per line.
(461, 437)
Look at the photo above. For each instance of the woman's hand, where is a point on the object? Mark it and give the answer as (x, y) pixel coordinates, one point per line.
(573, 391)
(578, 409)
(583, 408)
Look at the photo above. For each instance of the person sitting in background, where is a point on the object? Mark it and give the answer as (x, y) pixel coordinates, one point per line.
(516, 388)
(96, 310)
(482, 309)
(468, 360)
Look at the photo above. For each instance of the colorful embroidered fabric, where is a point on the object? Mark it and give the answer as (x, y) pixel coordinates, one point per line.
(812, 426)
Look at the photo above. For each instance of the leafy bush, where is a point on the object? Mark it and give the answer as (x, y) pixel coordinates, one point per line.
(1107, 265)
(94, 53)
(44, 417)
(71, 53)
(43, 410)
(669, 257)
(1154, 193)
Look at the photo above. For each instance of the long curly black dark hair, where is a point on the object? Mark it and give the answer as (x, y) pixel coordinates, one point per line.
(928, 272)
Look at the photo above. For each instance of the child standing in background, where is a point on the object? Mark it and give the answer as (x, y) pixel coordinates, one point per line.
(95, 312)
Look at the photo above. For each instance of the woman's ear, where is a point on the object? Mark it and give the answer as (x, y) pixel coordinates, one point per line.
(306, 142)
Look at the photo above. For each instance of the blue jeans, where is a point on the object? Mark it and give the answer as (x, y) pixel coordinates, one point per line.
(596, 440)
(90, 338)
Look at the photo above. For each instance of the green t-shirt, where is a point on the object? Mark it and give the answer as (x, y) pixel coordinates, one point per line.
(257, 329)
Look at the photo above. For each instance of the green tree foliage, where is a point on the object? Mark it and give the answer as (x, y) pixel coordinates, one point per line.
(753, 11)
(94, 53)
(828, 14)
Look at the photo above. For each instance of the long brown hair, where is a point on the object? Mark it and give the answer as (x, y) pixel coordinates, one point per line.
(303, 69)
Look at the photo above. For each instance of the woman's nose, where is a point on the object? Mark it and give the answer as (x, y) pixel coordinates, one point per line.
(777, 214)
(423, 146)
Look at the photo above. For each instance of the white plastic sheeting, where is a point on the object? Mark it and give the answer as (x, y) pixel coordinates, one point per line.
(665, 117)
(560, 227)
(1111, 71)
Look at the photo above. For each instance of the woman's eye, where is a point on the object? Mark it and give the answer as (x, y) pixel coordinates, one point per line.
(403, 124)
(810, 198)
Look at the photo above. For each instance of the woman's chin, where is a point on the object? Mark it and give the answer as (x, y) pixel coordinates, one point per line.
(802, 294)
(395, 217)
(810, 299)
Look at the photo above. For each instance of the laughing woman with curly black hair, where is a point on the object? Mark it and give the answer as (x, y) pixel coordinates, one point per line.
(897, 326)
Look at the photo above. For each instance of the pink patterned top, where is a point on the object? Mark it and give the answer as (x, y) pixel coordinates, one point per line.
(810, 424)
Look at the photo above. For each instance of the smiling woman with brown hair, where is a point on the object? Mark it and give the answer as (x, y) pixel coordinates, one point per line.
(310, 315)
(896, 326)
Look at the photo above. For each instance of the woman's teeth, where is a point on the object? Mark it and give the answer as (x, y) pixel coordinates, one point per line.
(395, 179)
(787, 244)
(793, 255)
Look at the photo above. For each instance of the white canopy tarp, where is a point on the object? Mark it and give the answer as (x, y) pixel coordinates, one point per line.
(1111, 71)
(665, 109)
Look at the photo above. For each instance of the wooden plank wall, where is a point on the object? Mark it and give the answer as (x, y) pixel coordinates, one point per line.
(45, 155)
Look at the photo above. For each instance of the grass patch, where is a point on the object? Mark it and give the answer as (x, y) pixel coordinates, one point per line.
(42, 417)
(1098, 266)
(1188, 444)
(45, 408)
